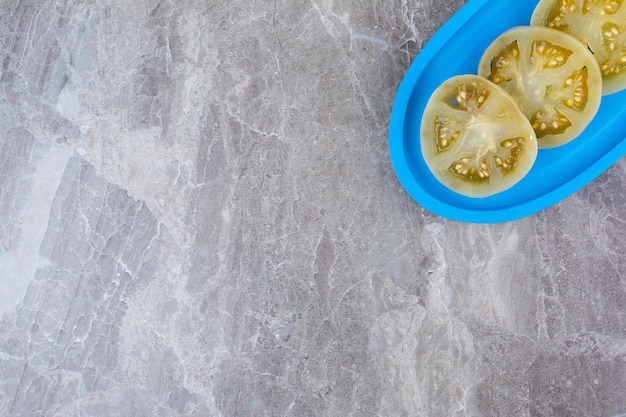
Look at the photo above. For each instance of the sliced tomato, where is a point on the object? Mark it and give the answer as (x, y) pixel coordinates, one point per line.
(600, 24)
(474, 138)
(553, 77)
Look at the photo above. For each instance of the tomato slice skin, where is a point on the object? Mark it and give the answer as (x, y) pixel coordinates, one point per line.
(599, 24)
(474, 138)
(553, 77)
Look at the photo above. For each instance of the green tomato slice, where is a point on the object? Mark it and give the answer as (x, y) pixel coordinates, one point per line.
(474, 138)
(553, 77)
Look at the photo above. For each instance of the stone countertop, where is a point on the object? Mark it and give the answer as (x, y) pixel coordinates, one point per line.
(199, 217)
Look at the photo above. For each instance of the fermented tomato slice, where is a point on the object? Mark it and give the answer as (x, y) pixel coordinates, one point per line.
(553, 77)
(474, 138)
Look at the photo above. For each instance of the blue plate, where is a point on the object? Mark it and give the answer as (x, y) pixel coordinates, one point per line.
(456, 49)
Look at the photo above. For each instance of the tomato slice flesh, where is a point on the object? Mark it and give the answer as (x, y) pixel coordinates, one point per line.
(474, 138)
(554, 78)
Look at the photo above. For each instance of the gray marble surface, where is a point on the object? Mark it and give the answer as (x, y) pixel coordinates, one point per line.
(199, 217)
